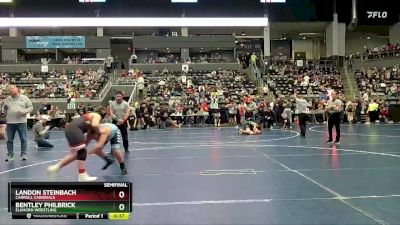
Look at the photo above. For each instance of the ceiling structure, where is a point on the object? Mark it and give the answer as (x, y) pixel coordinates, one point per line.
(287, 20)
(291, 11)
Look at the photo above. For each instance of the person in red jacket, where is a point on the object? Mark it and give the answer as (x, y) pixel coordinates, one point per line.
(204, 109)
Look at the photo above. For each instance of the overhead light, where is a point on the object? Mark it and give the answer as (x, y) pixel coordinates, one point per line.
(217, 48)
(46, 50)
(368, 37)
(184, 1)
(243, 34)
(236, 41)
(304, 38)
(6, 1)
(145, 48)
(302, 34)
(167, 48)
(272, 1)
(121, 37)
(133, 22)
(202, 48)
(29, 50)
(90, 1)
(86, 50)
(74, 50)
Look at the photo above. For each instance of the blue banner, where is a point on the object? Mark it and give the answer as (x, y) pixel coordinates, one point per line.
(55, 42)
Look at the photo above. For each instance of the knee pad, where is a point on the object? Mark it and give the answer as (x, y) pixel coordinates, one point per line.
(82, 154)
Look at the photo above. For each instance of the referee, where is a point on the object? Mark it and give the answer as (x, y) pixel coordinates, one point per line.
(334, 108)
(121, 111)
(301, 106)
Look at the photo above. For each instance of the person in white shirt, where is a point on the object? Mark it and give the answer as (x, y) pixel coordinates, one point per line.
(140, 86)
(365, 97)
(214, 106)
(165, 71)
(133, 58)
(201, 88)
(183, 78)
(350, 108)
(108, 63)
(393, 89)
(265, 90)
(189, 83)
(161, 83)
(306, 80)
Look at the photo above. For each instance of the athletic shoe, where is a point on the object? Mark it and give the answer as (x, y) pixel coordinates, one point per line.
(329, 142)
(124, 172)
(108, 163)
(24, 158)
(52, 170)
(337, 142)
(9, 158)
(84, 177)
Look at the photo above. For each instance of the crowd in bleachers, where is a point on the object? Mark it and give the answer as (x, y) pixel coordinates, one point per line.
(57, 84)
(217, 97)
(384, 51)
(175, 58)
(379, 82)
(199, 98)
(312, 81)
(196, 97)
(379, 88)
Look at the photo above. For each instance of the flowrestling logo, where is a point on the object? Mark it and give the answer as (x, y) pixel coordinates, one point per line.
(377, 14)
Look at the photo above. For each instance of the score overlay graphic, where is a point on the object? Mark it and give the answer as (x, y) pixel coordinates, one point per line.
(67, 200)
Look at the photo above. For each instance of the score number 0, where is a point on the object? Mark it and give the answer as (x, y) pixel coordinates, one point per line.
(121, 206)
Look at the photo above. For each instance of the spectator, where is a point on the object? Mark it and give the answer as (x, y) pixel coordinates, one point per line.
(108, 63)
(350, 111)
(17, 107)
(140, 86)
(133, 58)
(45, 108)
(373, 111)
(253, 59)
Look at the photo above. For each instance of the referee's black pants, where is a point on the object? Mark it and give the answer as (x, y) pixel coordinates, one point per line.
(124, 133)
(334, 121)
(302, 122)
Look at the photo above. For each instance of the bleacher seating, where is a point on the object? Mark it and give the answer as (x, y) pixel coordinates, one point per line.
(57, 85)
(381, 83)
(285, 80)
(169, 87)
